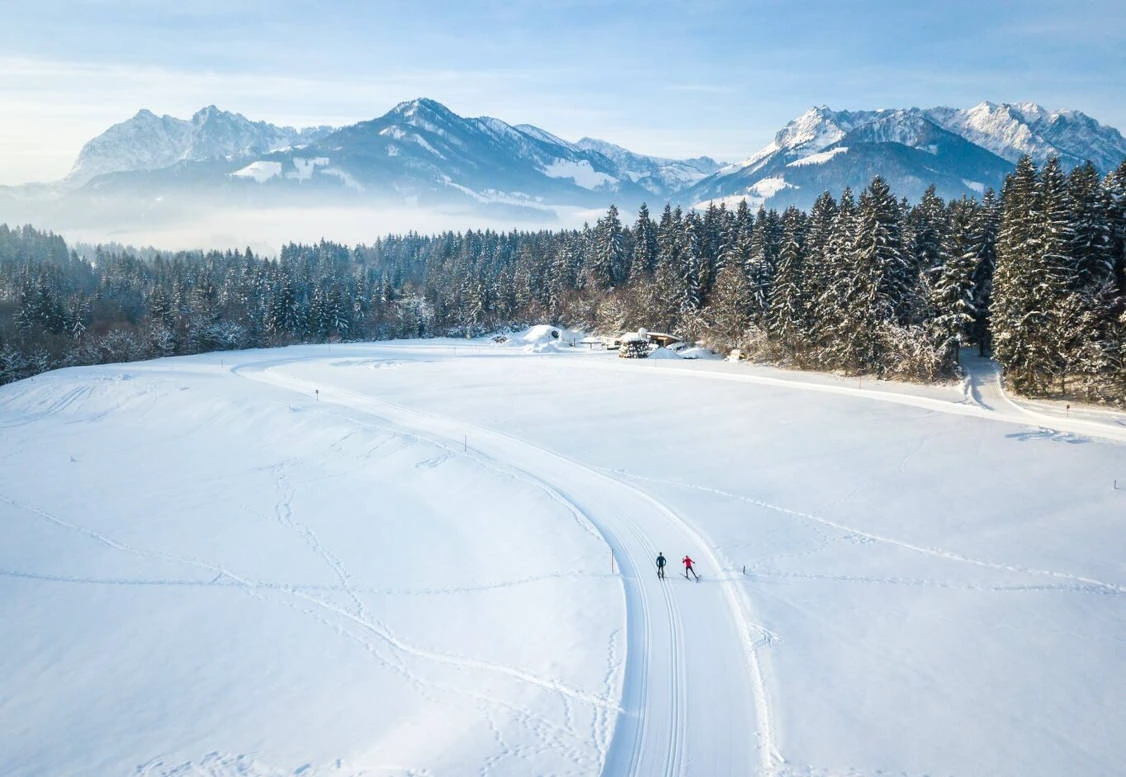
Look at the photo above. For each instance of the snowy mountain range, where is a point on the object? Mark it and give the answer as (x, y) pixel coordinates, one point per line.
(418, 153)
(150, 142)
(960, 152)
(422, 155)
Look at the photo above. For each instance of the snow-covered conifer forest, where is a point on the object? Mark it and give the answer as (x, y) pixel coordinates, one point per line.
(866, 284)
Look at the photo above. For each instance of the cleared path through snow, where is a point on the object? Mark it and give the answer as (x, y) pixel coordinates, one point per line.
(693, 697)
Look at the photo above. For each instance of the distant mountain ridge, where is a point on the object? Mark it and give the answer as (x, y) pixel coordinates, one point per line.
(420, 154)
(151, 142)
(960, 152)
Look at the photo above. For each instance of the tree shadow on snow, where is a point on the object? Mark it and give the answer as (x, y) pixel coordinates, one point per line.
(1048, 434)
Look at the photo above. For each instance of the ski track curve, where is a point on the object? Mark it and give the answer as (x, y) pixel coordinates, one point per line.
(654, 732)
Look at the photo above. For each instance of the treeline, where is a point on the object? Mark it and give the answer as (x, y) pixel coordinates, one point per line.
(862, 284)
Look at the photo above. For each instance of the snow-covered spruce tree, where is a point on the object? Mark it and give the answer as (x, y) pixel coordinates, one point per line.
(817, 269)
(709, 246)
(1064, 328)
(528, 282)
(832, 322)
(563, 274)
(926, 229)
(739, 248)
(694, 241)
(878, 270)
(644, 245)
(608, 261)
(762, 256)
(1088, 326)
(669, 293)
(1015, 319)
(725, 241)
(952, 291)
(727, 314)
(988, 223)
(1115, 187)
(1090, 226)
(786, 314)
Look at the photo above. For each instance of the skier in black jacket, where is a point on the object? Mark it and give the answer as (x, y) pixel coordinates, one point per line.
(660, 566)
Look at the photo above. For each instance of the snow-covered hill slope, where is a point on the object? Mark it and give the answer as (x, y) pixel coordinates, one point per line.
(435, 557)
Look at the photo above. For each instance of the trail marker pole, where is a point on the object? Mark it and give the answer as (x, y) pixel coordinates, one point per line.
(466, 443)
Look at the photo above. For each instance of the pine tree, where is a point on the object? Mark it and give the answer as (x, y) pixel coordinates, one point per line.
(762, 256)
(1061, 330)
(987, 226)
(644, 245)
(669, 293)
(786, 315)
(693, 242)
(926, 251)
(832, 305)
(1090, 226)
(1014, 280)
(608, 264)
(728, 311)
(877, 272)
(952, 294)
(817, 273)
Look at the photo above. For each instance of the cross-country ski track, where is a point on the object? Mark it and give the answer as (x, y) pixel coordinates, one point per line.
(436, 557)
(685, 710)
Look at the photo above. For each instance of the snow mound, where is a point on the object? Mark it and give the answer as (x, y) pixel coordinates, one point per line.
(541, 338)
(696, 352)
(663, 353)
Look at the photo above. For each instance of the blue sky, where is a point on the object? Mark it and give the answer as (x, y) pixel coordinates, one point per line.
(673, 79)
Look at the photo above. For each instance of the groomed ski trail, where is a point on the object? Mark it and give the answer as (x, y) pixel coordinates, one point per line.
(694, 694)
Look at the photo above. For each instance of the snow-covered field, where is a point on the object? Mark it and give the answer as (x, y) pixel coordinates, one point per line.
(436, 558)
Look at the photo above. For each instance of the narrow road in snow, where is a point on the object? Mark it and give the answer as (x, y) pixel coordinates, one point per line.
(983, 380)
(693, 699)
(985, 396)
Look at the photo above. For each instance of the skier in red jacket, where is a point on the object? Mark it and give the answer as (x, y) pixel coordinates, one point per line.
(688, 568)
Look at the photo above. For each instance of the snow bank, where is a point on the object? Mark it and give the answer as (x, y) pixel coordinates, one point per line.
(541, 338)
